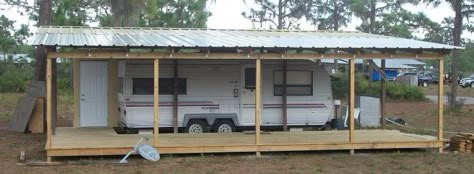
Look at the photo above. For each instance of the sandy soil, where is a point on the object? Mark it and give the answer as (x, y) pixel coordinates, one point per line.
(414, 161)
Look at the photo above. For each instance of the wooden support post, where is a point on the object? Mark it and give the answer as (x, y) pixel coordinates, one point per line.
(156, 77)
(351, 99)
(284, 96)
(175, 97)
(257, 101)
(54, 99)
(440, 102)
(382, 96)
(76, 87)
(49, 106)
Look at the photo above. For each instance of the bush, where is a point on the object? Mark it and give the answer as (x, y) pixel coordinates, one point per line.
(15, 77)
(394, 91)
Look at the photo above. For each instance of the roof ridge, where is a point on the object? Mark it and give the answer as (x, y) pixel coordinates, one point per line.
(202, 29)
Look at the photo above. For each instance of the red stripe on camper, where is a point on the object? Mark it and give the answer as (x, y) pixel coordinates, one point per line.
(170, 104)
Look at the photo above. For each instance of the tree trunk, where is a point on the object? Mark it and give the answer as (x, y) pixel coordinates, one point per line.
(335, 16)
(126, 13)
(372, 16)
(280, 15)
(372, 13)
(118, 11)
(44, 19)
(457, 42)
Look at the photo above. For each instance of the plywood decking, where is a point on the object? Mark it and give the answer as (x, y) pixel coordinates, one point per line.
(104, 141)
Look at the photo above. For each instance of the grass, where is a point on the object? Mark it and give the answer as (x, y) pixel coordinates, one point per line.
(7, 105)
(424, 115)
(8, 102)
(433, 90)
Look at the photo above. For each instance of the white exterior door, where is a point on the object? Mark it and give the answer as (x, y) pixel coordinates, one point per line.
(247, 114)
(93, 94)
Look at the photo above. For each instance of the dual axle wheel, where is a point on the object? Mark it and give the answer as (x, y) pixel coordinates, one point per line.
(201, 126)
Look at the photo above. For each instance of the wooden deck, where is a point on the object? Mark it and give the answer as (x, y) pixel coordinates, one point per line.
(104, 141)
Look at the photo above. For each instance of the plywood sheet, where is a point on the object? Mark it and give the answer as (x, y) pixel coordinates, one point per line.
(22, 114)
(37, 89)
(36, 123)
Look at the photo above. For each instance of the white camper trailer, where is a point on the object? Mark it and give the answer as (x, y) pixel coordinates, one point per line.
(219, 96)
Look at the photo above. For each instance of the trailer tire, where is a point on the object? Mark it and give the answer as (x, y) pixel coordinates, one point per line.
(424, 84)
(224, 126)
(197, 126)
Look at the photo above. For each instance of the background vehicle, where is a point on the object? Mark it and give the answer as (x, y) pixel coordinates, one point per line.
(424, 79)
(467, 82)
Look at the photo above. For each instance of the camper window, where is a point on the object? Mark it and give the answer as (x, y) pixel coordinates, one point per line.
(144, 86)
(299, 83)
(250, 78)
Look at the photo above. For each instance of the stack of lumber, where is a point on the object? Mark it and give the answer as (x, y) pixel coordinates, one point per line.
(462, 143)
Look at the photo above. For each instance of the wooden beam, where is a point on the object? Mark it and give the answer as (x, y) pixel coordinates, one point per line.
(258, 102)
(113, 117)
(351, 98)
(263, 56)
(175, 97)
(382, 96)
(156, 86)
(374, 66)
(284, 96)
(440, 101)
(351, 101)
(49, 106)
(249, 148)
(76, 87)
(54, 99)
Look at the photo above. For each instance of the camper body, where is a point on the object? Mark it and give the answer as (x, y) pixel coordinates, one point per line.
(220, 95)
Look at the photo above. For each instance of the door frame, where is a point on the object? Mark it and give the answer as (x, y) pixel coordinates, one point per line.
(79, 93)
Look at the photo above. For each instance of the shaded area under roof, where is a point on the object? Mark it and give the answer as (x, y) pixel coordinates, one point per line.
(389, 63)
(191, 38)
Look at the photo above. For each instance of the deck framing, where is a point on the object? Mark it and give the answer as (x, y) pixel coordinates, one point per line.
(104, 141)
(100, 151)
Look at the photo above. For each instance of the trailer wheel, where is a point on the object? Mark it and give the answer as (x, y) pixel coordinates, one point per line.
(424, 84)
(224, 126)
(197, 126)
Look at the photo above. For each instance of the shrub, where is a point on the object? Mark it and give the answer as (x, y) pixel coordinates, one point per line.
(394, 91)
(15, 77)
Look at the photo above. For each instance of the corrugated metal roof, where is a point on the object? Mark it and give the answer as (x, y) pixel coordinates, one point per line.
(166, 37)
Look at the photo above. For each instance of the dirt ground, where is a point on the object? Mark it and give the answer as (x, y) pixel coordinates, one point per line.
(408, 161)
(417, 114)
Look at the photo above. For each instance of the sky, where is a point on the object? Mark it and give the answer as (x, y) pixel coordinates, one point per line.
(226, 14)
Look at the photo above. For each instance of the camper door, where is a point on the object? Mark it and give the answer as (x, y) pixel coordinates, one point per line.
(247, 99)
